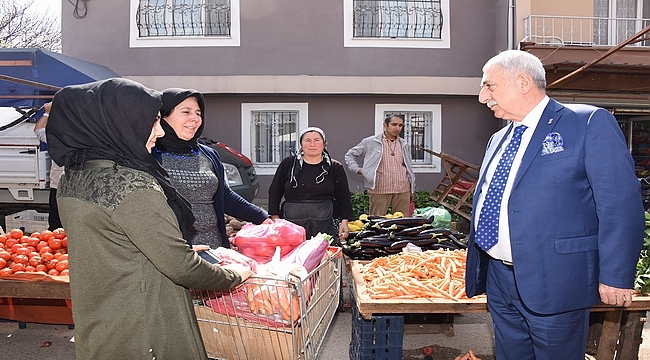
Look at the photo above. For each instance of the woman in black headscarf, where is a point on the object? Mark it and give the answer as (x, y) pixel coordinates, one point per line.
(123, 218)
(196, 170)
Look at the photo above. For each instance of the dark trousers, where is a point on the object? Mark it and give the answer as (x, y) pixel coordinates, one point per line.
(53, 219)
(521, 334)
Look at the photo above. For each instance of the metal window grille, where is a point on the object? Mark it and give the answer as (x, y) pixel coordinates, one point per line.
(274, 135)
(417, 133)
(397, 19)
(183, 18)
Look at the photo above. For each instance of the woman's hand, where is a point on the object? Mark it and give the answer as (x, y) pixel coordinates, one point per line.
(200, 247)
(344, 231)
(268, 221)
(244, 271)
(275, 217)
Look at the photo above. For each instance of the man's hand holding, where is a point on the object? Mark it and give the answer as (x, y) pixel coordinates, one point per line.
(615, 296)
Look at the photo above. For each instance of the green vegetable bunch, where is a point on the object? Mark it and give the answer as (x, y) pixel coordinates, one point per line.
(642, 281)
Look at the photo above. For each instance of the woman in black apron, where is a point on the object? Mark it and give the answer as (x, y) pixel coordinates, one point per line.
(314, 187)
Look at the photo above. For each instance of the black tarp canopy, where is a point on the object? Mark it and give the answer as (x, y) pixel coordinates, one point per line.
(30, 77)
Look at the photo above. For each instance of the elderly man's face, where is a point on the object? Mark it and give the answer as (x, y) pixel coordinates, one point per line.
(501, 94)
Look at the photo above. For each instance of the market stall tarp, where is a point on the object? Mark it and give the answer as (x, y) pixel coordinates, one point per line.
(44, 67)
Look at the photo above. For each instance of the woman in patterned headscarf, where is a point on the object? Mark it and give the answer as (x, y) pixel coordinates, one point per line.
(315, 188)
(196, 170)
(130, 268)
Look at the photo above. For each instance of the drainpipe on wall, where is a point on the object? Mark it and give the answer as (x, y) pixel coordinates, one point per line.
(511, 24)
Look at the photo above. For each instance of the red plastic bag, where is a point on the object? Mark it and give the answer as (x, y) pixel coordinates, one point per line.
(259, 241)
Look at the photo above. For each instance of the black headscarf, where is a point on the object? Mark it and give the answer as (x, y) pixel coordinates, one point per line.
(111, 120)
(171, 142)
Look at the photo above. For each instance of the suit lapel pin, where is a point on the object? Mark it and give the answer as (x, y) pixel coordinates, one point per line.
(550, 121)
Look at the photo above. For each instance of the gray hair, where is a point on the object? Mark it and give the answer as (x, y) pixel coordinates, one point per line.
(517, 62)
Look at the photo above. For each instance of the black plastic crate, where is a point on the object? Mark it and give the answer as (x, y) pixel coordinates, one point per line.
(379, 338)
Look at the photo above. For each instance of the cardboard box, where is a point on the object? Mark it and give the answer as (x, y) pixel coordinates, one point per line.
(232, 338)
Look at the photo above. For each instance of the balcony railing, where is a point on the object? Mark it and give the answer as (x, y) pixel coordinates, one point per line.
(582, 31)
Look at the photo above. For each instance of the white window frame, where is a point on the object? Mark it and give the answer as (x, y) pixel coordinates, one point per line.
(246, 141)
(350, 41)
(436, 129)
(135, 41)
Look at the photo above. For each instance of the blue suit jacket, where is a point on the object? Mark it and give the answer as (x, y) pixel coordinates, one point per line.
(575, 216)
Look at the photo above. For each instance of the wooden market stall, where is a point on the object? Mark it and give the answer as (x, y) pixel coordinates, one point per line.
(614, 334)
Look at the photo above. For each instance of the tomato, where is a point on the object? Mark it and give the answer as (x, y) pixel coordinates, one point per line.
(64, 242)
(11, 242)
(41, 267)
(44, 249)
(59, 233)
(5, 255)
(52, 264)
(54, 243)
(65, 272)
(15, 248)
(23, 239)
(34, 253)
(3, 238)
(16, 233)
(23, 251)
(41, 245)
(53, 272)
(63, 257)
(61, 251)
(33, 241)
(45, 235)
(3, 263)
(30, 268)
(17, 267)
(21, 259)
(35, 234)
(34, 261)
(45, 257)
(427, 350)
(5, 271)
(61, 265)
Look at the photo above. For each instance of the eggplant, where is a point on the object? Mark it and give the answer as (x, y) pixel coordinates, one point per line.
(375, 243)
(444, 232)
(368, 233)
(456, 242)
(413, 230)
(404, 221)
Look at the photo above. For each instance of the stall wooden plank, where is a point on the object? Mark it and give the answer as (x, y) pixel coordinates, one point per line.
(609, 335)
(34, 289)
(631, 330)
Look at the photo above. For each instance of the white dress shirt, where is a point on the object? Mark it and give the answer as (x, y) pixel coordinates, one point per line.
(502, 249)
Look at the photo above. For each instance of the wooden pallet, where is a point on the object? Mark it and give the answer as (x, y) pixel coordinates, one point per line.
(456, 187)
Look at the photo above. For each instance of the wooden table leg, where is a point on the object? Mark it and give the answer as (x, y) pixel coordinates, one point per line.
(609, 335)
(631, 330)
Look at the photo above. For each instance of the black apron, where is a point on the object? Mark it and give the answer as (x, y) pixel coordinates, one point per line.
(314, 216)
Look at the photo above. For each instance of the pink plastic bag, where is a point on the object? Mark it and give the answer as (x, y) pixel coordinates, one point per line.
(259, 241)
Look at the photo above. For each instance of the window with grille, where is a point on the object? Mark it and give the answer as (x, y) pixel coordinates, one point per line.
(398, 19)
(396, 23)
(270, 132)
(164, 23)
(422, 127)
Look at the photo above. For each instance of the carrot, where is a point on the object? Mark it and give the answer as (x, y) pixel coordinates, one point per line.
(428, 274)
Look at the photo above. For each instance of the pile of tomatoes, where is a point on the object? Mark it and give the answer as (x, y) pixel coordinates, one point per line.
(42, 252)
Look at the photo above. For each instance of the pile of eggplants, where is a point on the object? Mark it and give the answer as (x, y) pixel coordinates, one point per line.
(381, 237)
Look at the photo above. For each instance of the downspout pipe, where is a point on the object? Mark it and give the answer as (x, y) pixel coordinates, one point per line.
(511, 24)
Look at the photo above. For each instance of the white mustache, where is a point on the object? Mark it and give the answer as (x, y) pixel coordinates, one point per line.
(491, 103)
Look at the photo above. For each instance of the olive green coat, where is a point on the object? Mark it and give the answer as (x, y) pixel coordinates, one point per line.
(130, 269)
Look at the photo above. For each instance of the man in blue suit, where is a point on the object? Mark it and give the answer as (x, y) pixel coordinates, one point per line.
(558, 222)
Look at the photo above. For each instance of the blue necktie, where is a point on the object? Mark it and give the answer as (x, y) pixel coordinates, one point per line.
(487, 232)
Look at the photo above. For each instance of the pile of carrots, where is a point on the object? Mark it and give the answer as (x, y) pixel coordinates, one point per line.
(432, 274)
